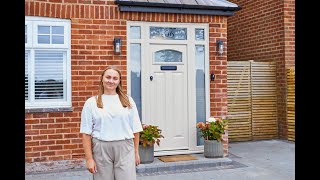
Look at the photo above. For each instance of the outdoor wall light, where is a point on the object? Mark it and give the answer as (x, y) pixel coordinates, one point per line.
(212, 76)
(220, 47)
(117, 45)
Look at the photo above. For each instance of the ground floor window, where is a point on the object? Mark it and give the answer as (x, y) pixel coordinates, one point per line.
(47, 63)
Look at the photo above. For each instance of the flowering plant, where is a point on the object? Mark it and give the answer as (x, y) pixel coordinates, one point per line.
(150, 135)
(213, 128)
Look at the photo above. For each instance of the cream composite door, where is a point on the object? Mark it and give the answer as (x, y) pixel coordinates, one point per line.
(165, 94)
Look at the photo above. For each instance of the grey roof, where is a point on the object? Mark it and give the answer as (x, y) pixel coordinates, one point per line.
(211, 7)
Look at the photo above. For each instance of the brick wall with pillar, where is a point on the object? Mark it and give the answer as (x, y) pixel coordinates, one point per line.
(264, 30)
(54, 136)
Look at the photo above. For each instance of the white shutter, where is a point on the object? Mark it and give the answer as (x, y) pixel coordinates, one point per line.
(48, 73)
(26, 77)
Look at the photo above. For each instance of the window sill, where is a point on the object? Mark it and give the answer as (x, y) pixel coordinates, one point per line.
(46, 110)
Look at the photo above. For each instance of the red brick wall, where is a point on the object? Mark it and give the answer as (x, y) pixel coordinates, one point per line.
(94, 24)
(263, 30)
(289, 56)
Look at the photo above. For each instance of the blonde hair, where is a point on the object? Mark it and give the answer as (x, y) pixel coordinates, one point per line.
(124, 99)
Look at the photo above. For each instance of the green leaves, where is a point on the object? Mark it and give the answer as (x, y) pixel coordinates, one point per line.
(150, 135)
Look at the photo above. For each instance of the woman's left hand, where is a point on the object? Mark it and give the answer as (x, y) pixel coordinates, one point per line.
(137, 158)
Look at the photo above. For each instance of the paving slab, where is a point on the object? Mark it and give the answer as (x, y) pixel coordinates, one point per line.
(253, 160)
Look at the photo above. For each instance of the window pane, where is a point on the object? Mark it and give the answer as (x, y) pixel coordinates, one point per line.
(135, 32)
(43, 29)
(199, 34)
(25, 34)
(200, 89)
(168, 55)
(57, 40)
(168, 33)
(26, 77)
(57, 30)
(49, 89)
(44, 39)
(49, 80)
(57, 35)
(135, 67)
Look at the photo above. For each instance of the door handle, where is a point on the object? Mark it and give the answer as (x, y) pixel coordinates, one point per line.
(151, 78)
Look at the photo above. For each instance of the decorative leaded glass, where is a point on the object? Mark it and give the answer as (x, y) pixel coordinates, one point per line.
(168, 33)
(168, 55)
(199, 34)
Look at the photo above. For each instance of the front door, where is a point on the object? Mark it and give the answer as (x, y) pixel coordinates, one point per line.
(165, 94)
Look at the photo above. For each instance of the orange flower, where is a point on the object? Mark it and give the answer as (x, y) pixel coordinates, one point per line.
(200, 125)
(213, 128)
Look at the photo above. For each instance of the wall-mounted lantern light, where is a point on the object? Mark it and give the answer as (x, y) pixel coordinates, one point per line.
(212, 76)
(117, 45)
(220, 47)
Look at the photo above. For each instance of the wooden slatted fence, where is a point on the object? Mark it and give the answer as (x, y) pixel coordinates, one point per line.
(264, 100)
(239, 101)
(251, 100)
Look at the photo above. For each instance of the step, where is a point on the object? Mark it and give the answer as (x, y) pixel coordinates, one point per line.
(158, 166)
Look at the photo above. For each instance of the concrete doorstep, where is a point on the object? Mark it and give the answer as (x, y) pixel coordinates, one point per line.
(157, 166)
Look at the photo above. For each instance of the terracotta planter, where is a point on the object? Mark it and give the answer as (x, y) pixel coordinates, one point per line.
(213, 149)
(146, 154)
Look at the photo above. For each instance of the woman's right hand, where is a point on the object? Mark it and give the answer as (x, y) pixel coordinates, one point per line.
(91, 166)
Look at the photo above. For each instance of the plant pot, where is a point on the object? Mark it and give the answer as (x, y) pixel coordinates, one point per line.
(213, 149)
(146, 154)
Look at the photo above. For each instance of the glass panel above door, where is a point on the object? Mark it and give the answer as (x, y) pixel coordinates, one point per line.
(135, 32)
(199, 34)
(168, 55)
(165, 33)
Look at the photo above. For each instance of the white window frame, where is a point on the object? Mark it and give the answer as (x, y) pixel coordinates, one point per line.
(32, 46)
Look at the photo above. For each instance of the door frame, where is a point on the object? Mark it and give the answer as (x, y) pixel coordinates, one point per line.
(191, 82)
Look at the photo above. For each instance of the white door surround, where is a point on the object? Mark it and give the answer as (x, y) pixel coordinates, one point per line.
(168, 87)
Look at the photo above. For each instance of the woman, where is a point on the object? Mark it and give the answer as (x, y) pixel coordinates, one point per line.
(110, 127)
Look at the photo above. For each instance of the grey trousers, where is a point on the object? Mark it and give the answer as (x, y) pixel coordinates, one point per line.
(114, 159)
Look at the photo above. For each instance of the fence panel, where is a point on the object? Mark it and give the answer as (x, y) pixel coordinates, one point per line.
(252, 100)
(264, 100)
(239, 101)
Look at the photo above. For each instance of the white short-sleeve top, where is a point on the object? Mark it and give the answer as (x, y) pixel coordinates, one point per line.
(113, 122)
